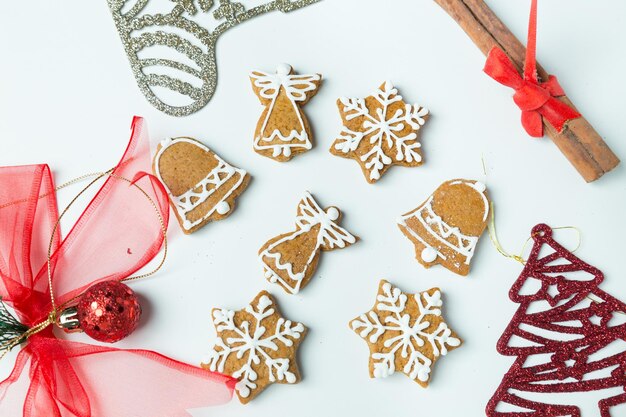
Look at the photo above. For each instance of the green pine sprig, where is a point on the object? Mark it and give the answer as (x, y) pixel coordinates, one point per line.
(10, 327)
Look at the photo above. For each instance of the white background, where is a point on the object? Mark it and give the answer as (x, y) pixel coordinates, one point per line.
(67, 97)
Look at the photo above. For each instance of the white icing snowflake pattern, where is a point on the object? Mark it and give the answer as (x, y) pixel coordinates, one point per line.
(254, 338)
(379, 131)
(413, 332)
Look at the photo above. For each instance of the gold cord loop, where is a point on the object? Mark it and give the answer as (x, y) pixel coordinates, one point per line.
(52, 317)
(491, 227)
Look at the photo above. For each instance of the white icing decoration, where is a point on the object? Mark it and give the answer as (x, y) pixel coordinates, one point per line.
(402, 222)
(295, 88)
(409, 335)
(255, 345)
(332, 213)
(434, 224)
(283, 69)
(480, 188)
(382, 128)
(215, 179)
(222, 207)
(329, 234)
(429, 254)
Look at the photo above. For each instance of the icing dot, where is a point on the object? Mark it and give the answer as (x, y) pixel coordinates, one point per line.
(242, 389)
(283, 69)
(429, 254)
(287, 151)
(332, 213)
(480, 187)
(187, 225)
(271, 277)
(223, 207)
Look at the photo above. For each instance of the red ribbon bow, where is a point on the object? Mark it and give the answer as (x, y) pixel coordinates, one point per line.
(536, 100)
(69, 379)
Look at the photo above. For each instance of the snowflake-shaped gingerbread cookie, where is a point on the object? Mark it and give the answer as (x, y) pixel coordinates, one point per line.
(405, 332)
(256, 346)
(380, 131)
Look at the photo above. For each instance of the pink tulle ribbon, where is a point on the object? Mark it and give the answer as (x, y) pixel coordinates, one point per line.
(116, 235)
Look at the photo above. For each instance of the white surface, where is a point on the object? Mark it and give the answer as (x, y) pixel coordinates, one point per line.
(68, 95)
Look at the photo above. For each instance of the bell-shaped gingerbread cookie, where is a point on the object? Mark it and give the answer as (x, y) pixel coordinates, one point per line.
(446, 227)
(201, 186)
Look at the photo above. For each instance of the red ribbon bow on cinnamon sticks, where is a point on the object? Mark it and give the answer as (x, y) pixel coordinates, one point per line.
(536, 100)
(69, 379)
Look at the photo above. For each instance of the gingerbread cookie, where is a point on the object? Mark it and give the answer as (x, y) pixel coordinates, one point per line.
(405, 332)
(283, 130)
(201, 186)
(291, 258)
(446, 227)
(256, 346)
(380, 131)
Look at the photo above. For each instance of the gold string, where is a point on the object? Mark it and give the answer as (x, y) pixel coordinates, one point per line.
(52, 317)
(6, 347)
(482, 160)
(57, 188)
(493, 235)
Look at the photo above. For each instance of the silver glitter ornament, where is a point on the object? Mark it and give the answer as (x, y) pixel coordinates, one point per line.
(172, 50)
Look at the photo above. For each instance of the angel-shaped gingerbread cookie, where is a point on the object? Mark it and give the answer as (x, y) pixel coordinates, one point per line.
(283, 130)
(291, 258)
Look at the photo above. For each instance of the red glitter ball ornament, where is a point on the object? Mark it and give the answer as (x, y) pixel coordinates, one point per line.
(109, 311)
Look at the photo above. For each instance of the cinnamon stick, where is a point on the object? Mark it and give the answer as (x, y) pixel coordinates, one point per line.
(579, 141)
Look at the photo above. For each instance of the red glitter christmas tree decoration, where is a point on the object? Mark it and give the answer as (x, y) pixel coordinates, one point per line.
(568, 336)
